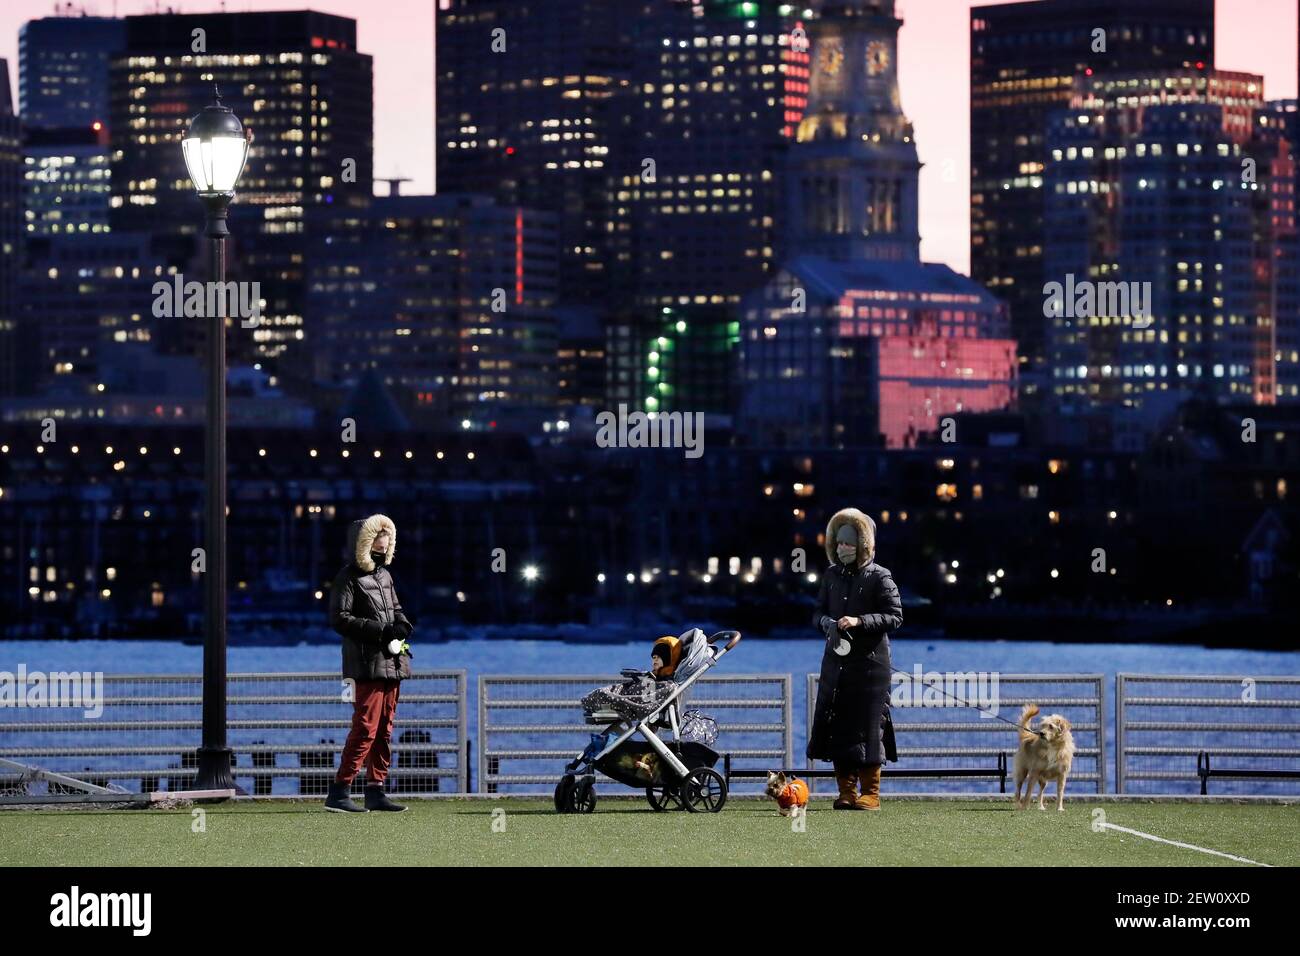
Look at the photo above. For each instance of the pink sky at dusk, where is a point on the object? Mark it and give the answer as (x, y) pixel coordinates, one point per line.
(934, 55)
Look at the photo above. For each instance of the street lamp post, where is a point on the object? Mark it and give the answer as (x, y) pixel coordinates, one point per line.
(215, 149)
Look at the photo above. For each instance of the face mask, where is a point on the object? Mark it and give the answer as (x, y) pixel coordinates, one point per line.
(378, 557)
(846, 545)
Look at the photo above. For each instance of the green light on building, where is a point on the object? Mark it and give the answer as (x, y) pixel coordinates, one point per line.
(681, 325)
(732, 8)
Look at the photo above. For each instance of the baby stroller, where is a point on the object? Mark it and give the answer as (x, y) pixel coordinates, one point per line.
(678, 773)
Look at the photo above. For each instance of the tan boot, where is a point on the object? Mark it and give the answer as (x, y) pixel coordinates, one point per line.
(847, 799)
(870, 799)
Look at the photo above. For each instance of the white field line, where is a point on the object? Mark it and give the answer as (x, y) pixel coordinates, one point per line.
(1185, 846)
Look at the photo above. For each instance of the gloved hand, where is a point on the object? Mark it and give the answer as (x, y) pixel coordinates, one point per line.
(402, 629)
(837, 640)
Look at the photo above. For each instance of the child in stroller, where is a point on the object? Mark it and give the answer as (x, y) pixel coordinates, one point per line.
(679, 772)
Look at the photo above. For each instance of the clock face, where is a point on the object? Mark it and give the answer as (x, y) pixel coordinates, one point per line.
(877, 57)
(830, 57)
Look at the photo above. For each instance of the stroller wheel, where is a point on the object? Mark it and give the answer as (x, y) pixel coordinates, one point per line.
(663, 798)
(584, 795)
(704, 790)
(564, 794)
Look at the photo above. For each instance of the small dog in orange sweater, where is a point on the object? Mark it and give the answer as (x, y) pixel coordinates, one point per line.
(790, 793)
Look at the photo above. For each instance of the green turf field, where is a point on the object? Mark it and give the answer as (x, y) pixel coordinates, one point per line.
(627, 832)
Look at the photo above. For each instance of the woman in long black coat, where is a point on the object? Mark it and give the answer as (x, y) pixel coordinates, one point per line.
(856, 610)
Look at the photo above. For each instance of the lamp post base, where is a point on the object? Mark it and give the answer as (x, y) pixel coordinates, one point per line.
(214, 769)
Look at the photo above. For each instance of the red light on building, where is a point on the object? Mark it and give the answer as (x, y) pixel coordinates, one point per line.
(519, 257)
(796, 60)
(923, 379)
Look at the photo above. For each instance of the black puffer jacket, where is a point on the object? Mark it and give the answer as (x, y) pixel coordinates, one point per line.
(849, 722)
(363, 603)
(851, 725)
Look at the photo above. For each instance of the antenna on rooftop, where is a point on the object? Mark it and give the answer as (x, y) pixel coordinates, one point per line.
(394, 183)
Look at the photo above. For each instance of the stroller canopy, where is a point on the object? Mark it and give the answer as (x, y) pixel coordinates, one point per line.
(695, 653)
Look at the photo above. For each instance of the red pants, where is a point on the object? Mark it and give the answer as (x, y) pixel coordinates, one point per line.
(372, 728)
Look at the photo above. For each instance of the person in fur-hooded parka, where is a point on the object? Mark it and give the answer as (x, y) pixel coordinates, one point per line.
(857, 608)
(364, 610)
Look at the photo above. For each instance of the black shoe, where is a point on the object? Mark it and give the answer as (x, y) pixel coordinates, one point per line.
(376, 799)
(339, 800)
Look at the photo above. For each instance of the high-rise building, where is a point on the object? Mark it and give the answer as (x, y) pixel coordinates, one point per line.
(75, 292)
(856, 341)
(1288, 272)
(63, 70)
(11, 171)
(84, 300)
(1025, 59)
(580, 358)
(1276, 128)
(63, 82)
(66, 187)
(528, 109)
(304, 92)
(449, 300)
(82, 294)
(1161, 241)
(718, 89)
(853, 188)
(655, 130)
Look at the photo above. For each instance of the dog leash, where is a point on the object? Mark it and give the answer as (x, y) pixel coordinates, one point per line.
(965, 703)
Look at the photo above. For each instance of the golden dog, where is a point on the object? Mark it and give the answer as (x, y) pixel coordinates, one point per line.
(1045, 754)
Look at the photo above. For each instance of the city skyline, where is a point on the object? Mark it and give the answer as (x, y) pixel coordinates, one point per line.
(695, 317)
(934, 57)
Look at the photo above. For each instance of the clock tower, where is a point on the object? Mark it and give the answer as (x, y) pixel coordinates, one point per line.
(854, 166)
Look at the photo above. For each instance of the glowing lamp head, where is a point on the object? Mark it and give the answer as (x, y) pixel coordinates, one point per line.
(215, 147)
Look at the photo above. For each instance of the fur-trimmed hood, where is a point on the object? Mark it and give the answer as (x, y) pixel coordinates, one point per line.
(362, 534)
(866, 529)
